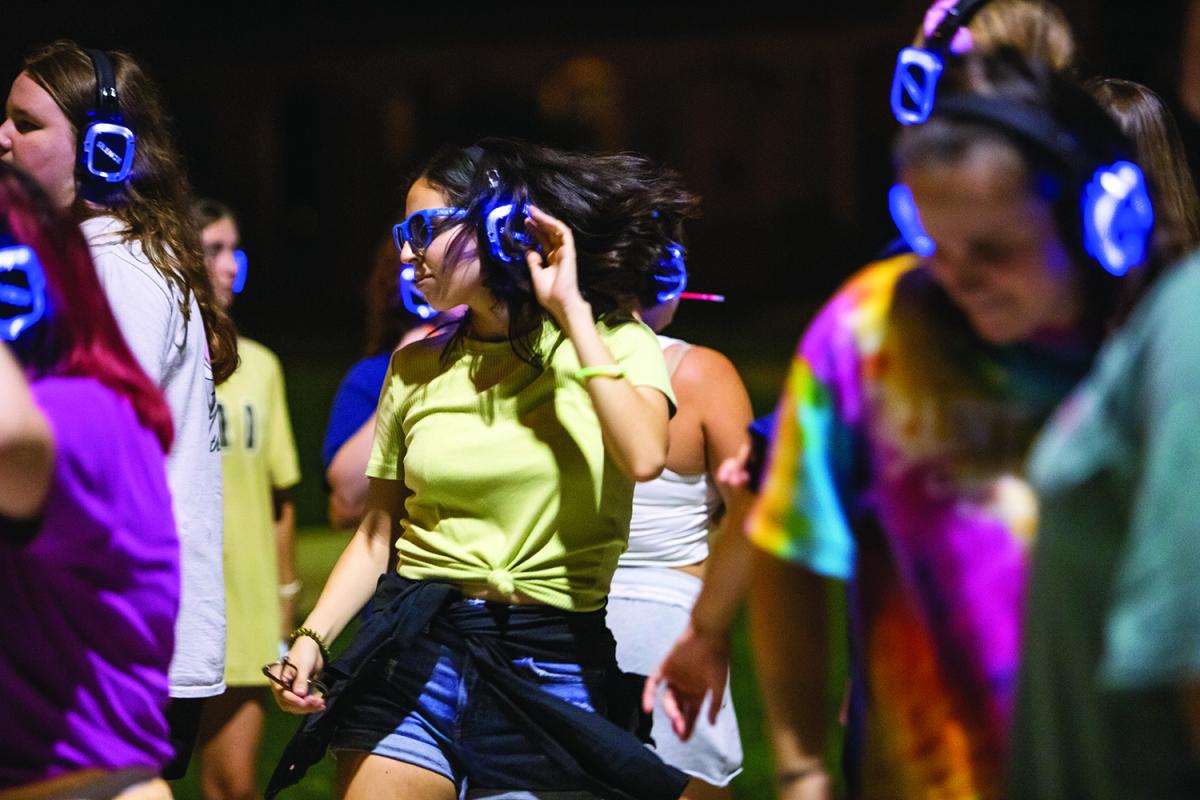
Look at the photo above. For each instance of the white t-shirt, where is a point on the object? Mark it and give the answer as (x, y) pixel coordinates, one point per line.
(174, 353)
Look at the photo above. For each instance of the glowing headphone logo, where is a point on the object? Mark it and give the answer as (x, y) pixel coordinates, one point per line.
(1117, 217)
(108, 145)
(22, 290)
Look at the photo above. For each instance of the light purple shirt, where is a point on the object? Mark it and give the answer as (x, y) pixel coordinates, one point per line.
(89, 596)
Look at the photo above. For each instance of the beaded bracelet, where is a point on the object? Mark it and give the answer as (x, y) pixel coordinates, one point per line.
(600, 371)
(316, 637)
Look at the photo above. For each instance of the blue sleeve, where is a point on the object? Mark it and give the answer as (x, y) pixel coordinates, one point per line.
(354, 403)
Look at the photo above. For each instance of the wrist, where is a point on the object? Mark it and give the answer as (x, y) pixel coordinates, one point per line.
(576, 315)
(304, 632)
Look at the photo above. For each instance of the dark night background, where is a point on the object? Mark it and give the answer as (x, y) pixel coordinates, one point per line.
(308, 121)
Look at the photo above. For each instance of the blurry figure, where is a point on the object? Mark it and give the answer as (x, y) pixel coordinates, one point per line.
(660, 574)
(90, 128)
(1149, 124)
(390, 325)
(897, 460)
(259, 465)
(89, 557)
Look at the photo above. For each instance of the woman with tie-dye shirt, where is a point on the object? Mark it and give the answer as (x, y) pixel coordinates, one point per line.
(909, 410)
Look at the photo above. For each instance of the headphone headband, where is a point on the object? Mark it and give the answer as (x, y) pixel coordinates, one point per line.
(957, 16)
(107, 107)
(1032, 124)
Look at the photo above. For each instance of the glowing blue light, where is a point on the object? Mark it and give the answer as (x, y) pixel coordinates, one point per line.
(1117, 217)
(671, 274)
(414, 302)
(29, 301)
(904, 214)
(243, 265)
(119, 149)
(496, 219)
(914, 84)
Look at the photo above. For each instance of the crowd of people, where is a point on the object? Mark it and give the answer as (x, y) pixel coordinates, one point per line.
(976, 480)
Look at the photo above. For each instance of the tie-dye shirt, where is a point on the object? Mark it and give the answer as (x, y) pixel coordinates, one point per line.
(896, 466)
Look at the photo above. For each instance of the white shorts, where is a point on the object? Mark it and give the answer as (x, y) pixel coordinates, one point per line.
(648, 609)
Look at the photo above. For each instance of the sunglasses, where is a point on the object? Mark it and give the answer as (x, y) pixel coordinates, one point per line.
(422, 226)
(283, 674)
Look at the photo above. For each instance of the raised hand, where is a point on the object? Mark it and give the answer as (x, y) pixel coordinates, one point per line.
(553, 275)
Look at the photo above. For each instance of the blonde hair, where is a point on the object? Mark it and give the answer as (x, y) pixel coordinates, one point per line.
(1036, 28)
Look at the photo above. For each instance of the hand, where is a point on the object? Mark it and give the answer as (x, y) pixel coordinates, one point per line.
(812, 784)
(554, 276)
(697, 666)
(302, 662)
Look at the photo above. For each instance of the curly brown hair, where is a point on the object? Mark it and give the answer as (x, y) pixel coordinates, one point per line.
(154, 202)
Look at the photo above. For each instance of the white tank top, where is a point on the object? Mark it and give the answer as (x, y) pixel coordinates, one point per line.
(672, 514)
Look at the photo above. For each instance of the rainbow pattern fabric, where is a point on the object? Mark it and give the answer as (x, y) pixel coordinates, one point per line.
(896, 465)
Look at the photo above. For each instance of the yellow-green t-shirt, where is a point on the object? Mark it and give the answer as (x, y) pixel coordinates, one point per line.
(511, 485)
(258, 454)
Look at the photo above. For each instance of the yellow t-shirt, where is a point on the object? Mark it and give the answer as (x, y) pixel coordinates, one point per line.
(511, 485)
(258, 455)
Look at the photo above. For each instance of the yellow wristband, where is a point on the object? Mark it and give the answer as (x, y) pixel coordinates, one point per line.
(601, 371)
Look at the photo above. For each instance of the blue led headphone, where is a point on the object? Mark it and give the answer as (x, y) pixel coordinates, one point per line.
(671, 275)
(1117, 215)
(414, 302)
(507, 238)
(918, 69)
(22, 288)
(243, 266)
(107, 147)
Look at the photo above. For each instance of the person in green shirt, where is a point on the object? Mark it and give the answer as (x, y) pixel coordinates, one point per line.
(505, 453)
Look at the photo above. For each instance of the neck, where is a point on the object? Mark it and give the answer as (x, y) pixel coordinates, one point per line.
(489, 321)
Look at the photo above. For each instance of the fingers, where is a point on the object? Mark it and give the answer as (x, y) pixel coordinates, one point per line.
(717, 699)
(679, 722)
(553, 234)
(732, 472)
(649, 689)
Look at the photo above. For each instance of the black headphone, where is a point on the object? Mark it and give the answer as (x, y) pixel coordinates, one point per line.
(107, 146)
(914, 83)
(1117, 217)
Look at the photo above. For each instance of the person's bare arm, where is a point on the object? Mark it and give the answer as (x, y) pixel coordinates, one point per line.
(633, 419)
(26, 445)
(285, 547)
(349, 587)
(347, 478)
(790, 630)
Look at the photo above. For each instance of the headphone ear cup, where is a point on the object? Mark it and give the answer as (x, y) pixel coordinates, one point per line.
(507, 237)
(1118, 217)
(22, 291)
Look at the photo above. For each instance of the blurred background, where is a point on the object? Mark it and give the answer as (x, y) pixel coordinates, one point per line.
(309, 120)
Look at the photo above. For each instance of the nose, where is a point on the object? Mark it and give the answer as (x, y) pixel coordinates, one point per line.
(407, 256)
(6, 134)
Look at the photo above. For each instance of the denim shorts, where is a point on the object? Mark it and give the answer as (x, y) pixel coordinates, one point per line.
(428, 706)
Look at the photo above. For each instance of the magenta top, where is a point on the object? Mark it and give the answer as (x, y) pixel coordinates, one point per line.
(89, 594)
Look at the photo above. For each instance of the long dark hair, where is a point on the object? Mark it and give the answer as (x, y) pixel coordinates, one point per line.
(154, 202)
(1150, 126)
(78, 336)
(1031, 87)
(623, 209)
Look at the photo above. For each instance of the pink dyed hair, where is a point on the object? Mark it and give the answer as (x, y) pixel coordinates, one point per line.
(79, 335)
